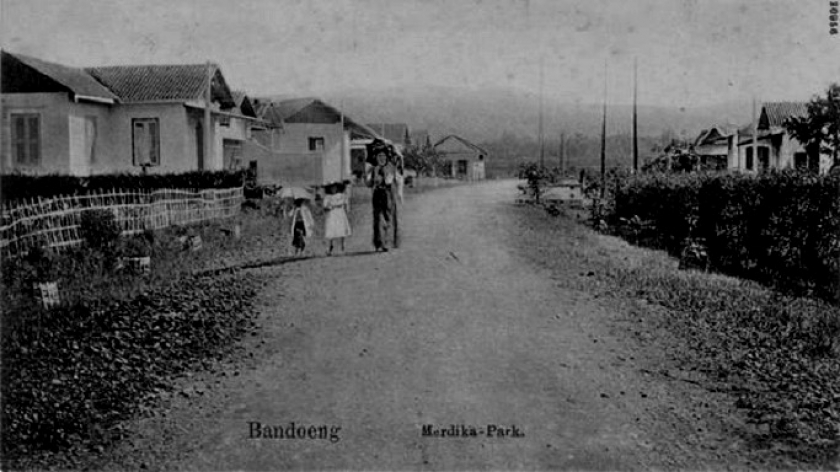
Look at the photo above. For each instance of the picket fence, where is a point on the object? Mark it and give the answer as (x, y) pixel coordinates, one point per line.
(55, 221)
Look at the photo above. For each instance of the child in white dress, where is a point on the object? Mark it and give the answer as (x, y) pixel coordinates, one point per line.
(337, 226)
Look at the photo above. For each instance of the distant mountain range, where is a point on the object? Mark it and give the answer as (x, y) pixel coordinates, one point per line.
(485, 115)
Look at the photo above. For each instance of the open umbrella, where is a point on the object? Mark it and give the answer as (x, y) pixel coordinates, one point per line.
(295, 193)
(377, 146)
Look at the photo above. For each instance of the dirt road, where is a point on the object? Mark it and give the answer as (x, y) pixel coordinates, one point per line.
(454, 328)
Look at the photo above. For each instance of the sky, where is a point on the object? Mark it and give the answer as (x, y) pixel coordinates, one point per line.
(689, 52)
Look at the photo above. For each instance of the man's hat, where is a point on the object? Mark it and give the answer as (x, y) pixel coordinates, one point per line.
(375, 148)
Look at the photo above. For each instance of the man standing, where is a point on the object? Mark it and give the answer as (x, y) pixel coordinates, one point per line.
(380, 175)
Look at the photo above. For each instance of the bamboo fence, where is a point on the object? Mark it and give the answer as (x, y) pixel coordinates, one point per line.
(55, 222)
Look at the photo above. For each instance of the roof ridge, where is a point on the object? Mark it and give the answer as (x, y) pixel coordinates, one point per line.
(126, 66)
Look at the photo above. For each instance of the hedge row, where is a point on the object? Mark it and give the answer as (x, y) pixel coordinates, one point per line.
(781, 228)
(16, 187)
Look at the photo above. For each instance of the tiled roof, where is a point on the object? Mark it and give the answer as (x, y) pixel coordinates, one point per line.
(277, 112)
(715, 134)
(75, 80)
(776, 113)
(463, 141)
(151, 83)
(285, 109)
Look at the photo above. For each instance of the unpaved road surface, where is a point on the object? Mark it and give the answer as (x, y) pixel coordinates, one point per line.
(453, 328)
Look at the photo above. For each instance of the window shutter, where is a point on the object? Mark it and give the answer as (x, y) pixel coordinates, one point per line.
(19, 139)
(34, 140)
(141, 148)
(90, 138)
(154, 143)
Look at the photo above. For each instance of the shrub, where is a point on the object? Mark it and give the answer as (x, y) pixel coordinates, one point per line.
(42, 266)
(15, 187)
(99, 229)
(780, 228)
(135, 247)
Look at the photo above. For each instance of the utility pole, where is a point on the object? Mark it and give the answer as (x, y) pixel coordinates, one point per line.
(208, 125)
(343, 148)
(635, 118)
(540, 133)
(832, 103)
(755, 137)
(604, 139)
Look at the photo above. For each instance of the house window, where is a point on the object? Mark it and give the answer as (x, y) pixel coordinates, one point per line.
(763, 158)
(316, 144)
(145, 141)
(749, 158)
(26, 138)
(232, 153)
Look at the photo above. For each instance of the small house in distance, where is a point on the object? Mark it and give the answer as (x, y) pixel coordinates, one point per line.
(307, 142)
(464, 159)
(712, 146)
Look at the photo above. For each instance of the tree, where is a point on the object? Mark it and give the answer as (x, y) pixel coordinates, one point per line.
(820, 128)
(425, 160)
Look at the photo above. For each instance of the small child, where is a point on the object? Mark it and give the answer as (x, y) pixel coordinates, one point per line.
(302, 224)
(337, 225)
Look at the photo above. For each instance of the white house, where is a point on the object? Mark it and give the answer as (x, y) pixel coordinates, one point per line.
(308, 142)
(775, 148)
(59, 119)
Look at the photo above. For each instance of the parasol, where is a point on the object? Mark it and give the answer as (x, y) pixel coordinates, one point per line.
(295, 193)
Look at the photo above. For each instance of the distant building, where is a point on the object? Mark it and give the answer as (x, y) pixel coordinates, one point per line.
(464, 159)
(307, 142)
(712, 146)
(775, 148)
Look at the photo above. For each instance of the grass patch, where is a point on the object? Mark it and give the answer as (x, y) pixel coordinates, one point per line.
(778, 355)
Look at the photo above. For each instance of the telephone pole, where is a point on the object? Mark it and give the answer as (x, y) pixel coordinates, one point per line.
(604, 139)
(540, 133)
(635, 118)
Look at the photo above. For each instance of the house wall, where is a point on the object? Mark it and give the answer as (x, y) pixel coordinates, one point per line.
(789, 147)
(781, 152)
(176, 152)
(732, 155)
(269, 138)
(477, 170)
(283, 168)
(63, 147)
(742, 151)
(455, 157)
(712, 150)
(335, 165)
(238, 129)
(81, 162)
